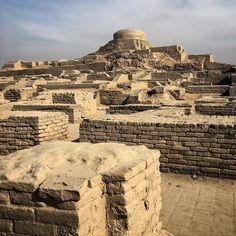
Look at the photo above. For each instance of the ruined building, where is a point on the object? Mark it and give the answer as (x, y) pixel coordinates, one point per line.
(87, 143)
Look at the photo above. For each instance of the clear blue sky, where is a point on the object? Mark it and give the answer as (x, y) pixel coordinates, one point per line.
(54, 29)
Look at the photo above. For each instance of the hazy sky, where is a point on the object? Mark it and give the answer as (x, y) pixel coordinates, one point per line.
(54, 29)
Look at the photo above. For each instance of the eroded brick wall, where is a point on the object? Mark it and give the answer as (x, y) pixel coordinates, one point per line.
(24, 131)
(73, 112)
(217, 110)
(222, 89)
(110, 203)
(209, 149)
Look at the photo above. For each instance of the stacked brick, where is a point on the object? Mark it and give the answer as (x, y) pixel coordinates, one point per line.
(112, 97)
(133, 193)
(48, 211)
(12, 95)
(217, 110)
(20, 130)
(72, 111)
(66, 98)
(204, 148)
(69, 86)
(108, 203)
(199, 89)
(128, 109)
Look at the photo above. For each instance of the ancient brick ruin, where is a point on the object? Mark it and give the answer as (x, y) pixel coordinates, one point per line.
(127, 93)
(108, 197)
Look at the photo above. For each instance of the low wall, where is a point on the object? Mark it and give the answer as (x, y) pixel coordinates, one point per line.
(65, 201)
(221, 89)
(186, 147)
(55, 71)
(128, 109)
(20, 130)
(69, 86)
(228, 109)
(72, 111)
(112, 97)
(12, 95)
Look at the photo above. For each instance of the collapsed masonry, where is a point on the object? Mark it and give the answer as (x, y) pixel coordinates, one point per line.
(64, 188)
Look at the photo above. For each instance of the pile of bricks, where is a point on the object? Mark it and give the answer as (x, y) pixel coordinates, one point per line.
(186, 146)
(21, 130)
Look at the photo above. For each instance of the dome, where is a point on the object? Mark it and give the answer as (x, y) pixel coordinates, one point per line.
(129, 34)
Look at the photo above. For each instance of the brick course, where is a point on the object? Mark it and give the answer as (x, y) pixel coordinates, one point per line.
(209, 149)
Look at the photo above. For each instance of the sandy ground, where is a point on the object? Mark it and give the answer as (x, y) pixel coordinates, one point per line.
(198, 207)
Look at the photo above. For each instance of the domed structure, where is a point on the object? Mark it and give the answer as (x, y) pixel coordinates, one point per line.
(129, 34)
(126, 39)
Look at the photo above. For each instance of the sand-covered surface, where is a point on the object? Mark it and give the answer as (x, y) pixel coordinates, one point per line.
(168, 115)
(61, 158)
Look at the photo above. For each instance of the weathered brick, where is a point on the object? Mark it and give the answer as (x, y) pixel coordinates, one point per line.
(6, 226)
(58, 217)
(28, 228)
(16, 213)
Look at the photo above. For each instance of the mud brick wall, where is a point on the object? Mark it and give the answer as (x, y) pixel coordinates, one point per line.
(73, 112)
(128, 109)
(24, 131)
(47, 211)
(69, 86)
(67, 98)
(110, 203)
(217, 110)
(112, 97)
(133, 193)
(208, 149)
(222, 89)
(12, 95)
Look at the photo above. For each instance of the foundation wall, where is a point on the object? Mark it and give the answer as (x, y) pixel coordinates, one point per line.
(112, 97)
(12, 95)
(108, 204)
(221, 89)
(69, 86)
(24, 131)
(73, 112)
(209, 149)
(128, 109)
(217, 110)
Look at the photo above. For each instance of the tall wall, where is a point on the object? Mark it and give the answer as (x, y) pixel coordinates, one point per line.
(191, 147)
(20, 130)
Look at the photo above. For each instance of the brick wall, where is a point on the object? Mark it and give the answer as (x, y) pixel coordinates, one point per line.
(69, 86)
(128, 109)
(12, 95)
(20, 131)
(207, 89)
(133, 193)
(112, 97)
(110, 203)
(73, 112)
(228, 109)
(209, 149)
(66, 98)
